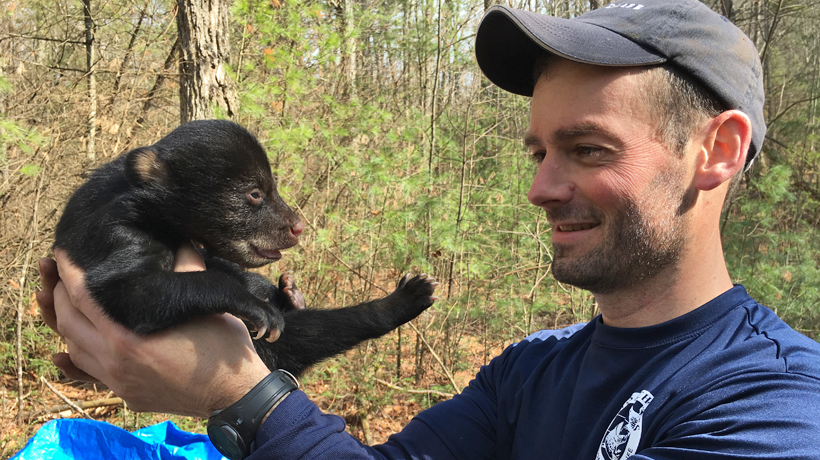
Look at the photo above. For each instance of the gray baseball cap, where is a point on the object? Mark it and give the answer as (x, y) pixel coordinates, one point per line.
(684, 34)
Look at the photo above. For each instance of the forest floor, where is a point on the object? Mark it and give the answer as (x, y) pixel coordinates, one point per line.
(386, 408)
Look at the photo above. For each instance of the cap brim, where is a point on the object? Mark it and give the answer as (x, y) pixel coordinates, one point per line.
(509, 41)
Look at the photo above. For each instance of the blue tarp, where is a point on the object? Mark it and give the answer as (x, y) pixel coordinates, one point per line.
(79, 439)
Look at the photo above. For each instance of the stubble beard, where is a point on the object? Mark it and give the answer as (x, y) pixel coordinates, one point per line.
(635, 248)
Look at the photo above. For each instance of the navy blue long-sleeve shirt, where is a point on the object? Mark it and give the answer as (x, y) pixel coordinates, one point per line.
(728, 380)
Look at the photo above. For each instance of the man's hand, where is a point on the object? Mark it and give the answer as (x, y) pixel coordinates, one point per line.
(203, 365)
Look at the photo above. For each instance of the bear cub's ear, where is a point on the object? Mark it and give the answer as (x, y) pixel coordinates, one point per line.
(143, 166)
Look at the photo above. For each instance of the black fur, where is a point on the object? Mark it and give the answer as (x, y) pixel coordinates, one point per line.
(210, 182)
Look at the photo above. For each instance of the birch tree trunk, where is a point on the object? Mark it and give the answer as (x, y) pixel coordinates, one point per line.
(204, 81)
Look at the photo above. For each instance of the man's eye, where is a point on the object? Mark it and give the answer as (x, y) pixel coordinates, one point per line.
(588, 151)
(537, 156)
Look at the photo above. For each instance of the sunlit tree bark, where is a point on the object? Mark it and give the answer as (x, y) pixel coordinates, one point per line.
(205, 87)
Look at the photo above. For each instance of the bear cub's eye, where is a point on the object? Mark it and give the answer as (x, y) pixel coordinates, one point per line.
(254, 197)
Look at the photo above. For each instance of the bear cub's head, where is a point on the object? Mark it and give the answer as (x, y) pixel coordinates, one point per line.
(211, 181)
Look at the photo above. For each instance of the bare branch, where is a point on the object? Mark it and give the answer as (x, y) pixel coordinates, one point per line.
(70, 404)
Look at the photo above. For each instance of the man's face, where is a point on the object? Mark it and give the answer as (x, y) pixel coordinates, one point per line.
(613, 193)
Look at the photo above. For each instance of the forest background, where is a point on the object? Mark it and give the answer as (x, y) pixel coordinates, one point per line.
(397, 154)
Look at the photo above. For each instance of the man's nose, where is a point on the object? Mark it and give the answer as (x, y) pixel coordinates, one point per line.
(551, 186)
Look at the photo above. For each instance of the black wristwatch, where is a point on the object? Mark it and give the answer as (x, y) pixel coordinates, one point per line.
(232, 430)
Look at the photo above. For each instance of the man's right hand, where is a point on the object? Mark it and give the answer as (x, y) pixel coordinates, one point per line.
(203, 365)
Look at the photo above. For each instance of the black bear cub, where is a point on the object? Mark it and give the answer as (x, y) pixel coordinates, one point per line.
(210, 182)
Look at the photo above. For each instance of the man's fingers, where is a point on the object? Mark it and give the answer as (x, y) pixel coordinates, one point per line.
(73, 323)
(64, 363)
(73, 281)
(45, 297)
(188, 259)
(48, 273)
(73, 277)
(81, 364)
(68, 309)
(45, 300)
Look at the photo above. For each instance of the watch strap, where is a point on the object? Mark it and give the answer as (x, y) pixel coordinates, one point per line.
(232, 430)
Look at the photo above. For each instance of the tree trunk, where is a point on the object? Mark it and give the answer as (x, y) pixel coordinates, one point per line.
(92, 80)
(350, 48)
(204, 84)
(727, 8)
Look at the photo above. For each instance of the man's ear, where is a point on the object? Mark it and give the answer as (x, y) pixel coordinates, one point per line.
(724, 142)
(143, 165)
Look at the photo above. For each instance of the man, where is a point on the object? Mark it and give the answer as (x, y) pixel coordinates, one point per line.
(643, 115)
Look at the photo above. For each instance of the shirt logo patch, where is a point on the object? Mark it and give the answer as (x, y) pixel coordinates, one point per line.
(631, 6)
(624, 433)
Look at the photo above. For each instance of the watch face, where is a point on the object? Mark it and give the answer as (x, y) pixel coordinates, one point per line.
(227, 441)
